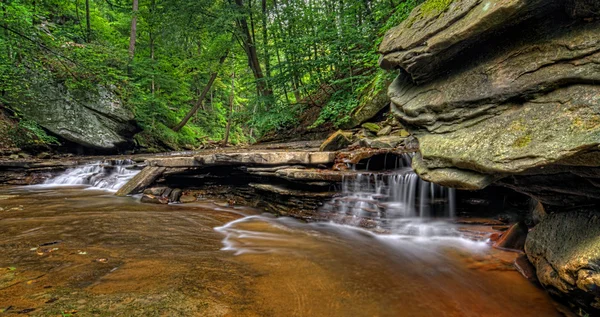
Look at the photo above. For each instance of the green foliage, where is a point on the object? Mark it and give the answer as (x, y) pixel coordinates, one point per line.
(338, 110)
(301, 45)
(28, 134)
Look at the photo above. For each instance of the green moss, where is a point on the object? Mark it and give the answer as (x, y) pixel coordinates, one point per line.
(522, 141)
(435, 6)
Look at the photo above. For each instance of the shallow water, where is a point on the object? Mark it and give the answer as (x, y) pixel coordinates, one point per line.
(65, 250)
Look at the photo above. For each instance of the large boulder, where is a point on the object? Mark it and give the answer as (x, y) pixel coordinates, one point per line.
(565, 249)
(94, 119)
(521, 107)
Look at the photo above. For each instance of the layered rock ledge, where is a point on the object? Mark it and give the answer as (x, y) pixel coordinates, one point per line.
(508, 93)
(517, 102)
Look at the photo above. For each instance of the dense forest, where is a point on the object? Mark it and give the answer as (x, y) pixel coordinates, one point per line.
(196, 72)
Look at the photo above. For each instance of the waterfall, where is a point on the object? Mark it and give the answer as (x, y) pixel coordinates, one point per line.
(108, 174)
(397, 200)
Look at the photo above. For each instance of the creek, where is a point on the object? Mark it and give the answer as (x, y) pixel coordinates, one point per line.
(71, 246)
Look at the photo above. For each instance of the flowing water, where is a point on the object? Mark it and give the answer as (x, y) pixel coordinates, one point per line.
(397, 200)
(108, 175)
(72, 249)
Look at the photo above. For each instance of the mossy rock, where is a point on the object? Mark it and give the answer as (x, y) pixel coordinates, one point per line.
(371, 127)
(336, 141)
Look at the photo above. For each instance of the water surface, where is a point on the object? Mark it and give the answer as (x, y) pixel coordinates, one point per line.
(68, 249)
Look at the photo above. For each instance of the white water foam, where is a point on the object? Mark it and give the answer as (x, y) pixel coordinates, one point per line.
(108, 175)
(398, 200)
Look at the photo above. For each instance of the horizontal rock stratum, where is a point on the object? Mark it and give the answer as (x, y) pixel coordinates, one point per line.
(502, 91)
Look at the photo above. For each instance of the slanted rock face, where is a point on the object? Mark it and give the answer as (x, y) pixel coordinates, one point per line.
(95, 120)
(525, 100)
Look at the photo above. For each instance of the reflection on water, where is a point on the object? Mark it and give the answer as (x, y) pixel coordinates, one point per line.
(115, 256)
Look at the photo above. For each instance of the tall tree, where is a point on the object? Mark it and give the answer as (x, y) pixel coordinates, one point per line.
(87, 21)
(133, 29)
(200, 100)
(249, 46)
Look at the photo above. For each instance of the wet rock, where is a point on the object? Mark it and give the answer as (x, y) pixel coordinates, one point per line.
(565, 250)
(513, 238)
(175, 195)
(538, 213)
(281, 190)
(140, 181)
(385, 131)
(371, 127)
(14, 156)
(525, 267)
(151, 199)
(336, 141)
(188, 197)
(295, 174)
(155, 191)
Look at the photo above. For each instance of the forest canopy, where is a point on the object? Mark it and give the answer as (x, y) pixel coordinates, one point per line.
(191, 71)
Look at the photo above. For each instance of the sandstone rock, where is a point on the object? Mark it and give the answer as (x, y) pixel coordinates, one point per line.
(140, 181)
(371, 102)
(385, 131)
(531, 106)
(175, 195)
(310, 175)
(154, 191)
(94, 119)
(526, 269)
(384, 142)
(371, 127)
(188, 197)
(151, 199)
(290, 192)
(513, 238)
(565, 250)
(425, 43)
(538, 213)
(44, 155)
(336, 141)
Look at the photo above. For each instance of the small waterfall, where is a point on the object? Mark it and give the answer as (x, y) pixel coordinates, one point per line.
(397, 200)
(108, 174)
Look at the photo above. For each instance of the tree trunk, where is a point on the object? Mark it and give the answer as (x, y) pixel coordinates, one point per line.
(87, 21)
(198, 104)
(231, 102)
(133, 30)
(250, 49)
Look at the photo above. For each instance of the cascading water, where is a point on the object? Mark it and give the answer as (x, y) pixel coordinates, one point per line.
(109, 175)
(397, 200)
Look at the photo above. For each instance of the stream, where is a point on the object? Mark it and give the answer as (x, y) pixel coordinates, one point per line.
(77, 250)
